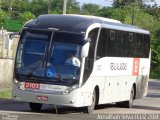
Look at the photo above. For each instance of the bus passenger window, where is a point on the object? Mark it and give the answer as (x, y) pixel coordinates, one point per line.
(146, 46)
(138, 45)
(130, 44)
(121, 44)
(112, 35)
(130, 37)
(102, 44)
(112, 43)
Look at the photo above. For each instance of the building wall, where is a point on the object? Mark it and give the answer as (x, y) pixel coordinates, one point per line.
(6, 73)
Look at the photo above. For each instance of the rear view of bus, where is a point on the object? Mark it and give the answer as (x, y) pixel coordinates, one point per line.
(58, 62)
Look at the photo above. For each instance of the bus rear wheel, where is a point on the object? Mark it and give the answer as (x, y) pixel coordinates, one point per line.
(90, 109)
(35, 106)
(129, 103)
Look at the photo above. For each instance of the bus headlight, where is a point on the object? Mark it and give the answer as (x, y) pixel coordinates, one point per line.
(69, 89)
(19, 84)
(16, 81)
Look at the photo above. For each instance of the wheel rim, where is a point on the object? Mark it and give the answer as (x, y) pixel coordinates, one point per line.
(131, 97)
(89, 109)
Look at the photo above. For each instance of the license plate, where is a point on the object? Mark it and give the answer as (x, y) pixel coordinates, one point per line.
(42, 98)
(32, 85)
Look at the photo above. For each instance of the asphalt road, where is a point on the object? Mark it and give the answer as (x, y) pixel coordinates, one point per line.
(146, 108)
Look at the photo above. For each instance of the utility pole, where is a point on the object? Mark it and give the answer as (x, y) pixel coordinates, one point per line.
(133, 11)
(64, 6)
(49, 6)
(10, 5)
(0, 4)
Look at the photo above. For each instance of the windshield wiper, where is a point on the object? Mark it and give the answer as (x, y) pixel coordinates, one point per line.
(30, 74)
(41, 62)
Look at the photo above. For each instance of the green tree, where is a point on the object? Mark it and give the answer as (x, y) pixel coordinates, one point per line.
(39, 7)
(142, 19)
(26, 16)
(154, 10)
(14, 7)
(114, 13)
(73, 7)
(124, 3)
(121, 3)
(3, 17)
(90, 9)
(56, 6)
(156, 51)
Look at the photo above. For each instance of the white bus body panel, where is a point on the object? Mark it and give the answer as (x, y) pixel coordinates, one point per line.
(116, 76)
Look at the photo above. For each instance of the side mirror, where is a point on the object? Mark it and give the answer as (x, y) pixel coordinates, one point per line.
(85, 50)
(9, 40)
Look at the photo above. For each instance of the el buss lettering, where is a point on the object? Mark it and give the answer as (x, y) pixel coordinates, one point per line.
(118, 66)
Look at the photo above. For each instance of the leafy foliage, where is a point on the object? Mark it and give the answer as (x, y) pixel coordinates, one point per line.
(114, 13)
(156, 51)
(90, 9)
(26, 16)
(3, 17)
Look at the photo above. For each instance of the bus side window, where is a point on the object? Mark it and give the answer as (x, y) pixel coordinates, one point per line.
(102, 44)
(112, 43)
(138, 45)
(130, 37)
(121, 44)
(130, 44)
(146, 46)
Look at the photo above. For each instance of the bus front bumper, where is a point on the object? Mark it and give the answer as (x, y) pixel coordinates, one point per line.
(74, 99)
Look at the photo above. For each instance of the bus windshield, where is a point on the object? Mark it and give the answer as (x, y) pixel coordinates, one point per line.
(47, 56)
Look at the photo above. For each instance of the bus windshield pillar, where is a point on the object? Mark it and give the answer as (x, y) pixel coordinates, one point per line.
(82, 71)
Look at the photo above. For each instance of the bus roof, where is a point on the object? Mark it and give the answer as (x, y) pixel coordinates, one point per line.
(97, 17)
(78, 23)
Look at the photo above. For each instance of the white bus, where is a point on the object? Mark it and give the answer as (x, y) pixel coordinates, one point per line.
(111, 62)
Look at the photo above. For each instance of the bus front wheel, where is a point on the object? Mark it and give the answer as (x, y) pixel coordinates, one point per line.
(35, 106)
(90, 109)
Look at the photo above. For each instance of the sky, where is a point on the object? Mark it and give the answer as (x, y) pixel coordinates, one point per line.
(99, 2)
(109, 2)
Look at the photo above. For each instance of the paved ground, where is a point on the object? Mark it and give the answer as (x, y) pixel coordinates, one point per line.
(149, 107)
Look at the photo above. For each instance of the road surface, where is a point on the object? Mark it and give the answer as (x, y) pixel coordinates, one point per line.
(149, 107)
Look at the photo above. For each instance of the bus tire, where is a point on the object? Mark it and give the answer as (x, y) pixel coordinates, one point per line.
(90, 109)
(35, 106)
(129, 103)
(120, 104)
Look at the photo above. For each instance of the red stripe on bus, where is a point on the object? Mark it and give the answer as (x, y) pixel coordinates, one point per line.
(136, 64)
